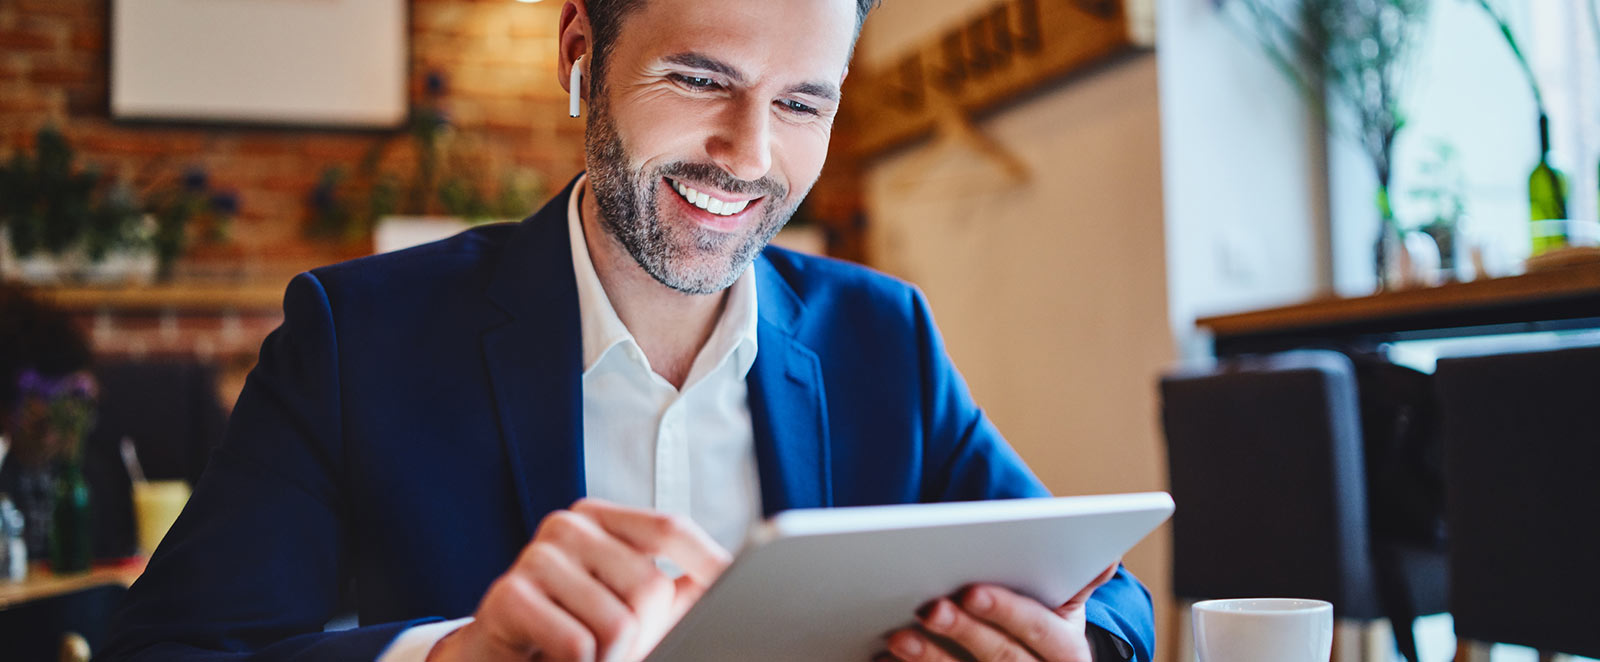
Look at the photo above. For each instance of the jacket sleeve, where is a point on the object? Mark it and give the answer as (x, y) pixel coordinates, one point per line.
(253, 566)
(967, 459)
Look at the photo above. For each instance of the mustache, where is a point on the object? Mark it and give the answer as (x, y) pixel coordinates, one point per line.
(715, 177)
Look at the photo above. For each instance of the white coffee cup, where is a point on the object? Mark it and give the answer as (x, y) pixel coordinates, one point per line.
(1263, 630)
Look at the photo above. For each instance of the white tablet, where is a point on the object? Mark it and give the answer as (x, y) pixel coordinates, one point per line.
(829, 584)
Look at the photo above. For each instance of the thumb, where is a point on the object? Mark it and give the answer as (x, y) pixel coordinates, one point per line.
(688, 592)
(1082, 598)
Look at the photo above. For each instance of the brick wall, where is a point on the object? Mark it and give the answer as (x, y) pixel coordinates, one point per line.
(497, 58)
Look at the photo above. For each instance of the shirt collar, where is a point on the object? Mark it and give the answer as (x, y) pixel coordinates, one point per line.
(734, 337)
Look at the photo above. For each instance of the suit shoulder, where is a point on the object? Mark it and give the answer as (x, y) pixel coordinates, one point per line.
(845, 298)
(455, 260)
(822, 280)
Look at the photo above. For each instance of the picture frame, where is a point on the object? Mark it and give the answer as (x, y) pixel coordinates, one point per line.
(336, 64)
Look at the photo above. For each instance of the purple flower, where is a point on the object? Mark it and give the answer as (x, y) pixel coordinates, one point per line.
(74, 385)
(322, 197)
(195, 180)
(225, 203)
(434, 83)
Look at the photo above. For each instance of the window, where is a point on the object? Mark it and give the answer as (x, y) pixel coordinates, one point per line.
(1472, 120)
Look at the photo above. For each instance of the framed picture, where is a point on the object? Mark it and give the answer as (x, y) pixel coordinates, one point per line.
(321, 63)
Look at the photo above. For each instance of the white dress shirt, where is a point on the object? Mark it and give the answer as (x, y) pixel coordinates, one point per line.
(646, 444)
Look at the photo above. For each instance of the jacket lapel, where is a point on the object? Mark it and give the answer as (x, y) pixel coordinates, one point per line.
(788, 407)
(535, 363)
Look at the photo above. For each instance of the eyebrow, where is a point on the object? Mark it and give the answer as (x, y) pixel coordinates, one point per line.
(705, 62)
(822, 90)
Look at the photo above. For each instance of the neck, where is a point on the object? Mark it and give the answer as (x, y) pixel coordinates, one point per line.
(670, 326)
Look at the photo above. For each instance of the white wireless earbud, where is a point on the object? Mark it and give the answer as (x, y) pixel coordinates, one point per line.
(572, 85)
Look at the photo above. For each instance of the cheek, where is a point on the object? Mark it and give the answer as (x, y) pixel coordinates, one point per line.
(658, 126)
(801, 151)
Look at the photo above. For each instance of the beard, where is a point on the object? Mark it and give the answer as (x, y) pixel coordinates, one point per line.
(684, 256)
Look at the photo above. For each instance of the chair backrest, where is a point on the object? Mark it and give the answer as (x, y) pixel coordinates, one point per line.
(1266, 467)
(1522, 457)
(171, 411)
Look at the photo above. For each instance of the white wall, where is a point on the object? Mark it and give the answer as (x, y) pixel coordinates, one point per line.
(1245, 166)
(1051, 294)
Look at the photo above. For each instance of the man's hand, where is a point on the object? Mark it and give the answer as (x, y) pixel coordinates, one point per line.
(991, 624)
(587, 588)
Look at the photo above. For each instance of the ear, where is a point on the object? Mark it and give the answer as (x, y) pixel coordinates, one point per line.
(573, 41)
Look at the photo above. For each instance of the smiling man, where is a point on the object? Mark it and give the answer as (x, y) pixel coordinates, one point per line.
(554, 432)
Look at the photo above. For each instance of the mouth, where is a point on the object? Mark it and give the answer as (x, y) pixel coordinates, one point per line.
(715, 210)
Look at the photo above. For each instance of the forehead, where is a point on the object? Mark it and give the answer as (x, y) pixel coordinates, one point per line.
(806, 38)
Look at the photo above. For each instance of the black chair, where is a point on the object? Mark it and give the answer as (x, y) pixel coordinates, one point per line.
(1522, 450)
(33, 631)
(1268, 472)
(170, 409)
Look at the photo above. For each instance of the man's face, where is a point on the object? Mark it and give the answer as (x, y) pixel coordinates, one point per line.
(710, 127)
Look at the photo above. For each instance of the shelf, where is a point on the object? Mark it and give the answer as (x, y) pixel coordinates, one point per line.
(178, 297)
(1543, 298)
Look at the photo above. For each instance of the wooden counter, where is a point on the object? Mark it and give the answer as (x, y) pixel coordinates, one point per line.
(1553, 299)
(41, 583)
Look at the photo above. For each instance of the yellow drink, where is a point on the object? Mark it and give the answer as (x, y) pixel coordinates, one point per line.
(156, 505)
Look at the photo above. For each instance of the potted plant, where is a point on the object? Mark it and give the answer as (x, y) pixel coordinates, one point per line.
(62, 223)
(47, 408)
(56, 216)
(178, 215)
(444, 193)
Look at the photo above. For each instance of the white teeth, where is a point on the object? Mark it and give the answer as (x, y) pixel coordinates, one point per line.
(708, 203)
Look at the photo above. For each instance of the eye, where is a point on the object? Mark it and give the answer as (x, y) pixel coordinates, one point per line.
(797, 107)
(696, 82)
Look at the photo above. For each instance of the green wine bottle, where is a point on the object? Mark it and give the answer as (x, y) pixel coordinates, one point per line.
(70, 549)
(1547, 197)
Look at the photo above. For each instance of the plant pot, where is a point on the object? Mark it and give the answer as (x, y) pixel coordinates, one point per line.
(40, 268)
(124, 266)
(121, 268)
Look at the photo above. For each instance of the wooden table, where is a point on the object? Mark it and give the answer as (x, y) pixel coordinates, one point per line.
(1549, 300)
(41, 583)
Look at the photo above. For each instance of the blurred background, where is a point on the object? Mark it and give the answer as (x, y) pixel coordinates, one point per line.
(1073, 183)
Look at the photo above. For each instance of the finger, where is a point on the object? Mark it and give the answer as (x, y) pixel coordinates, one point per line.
(1082, 597)
(632, 576)
(1026, 620)
(613, 626)
(688, 592)
(980, 638)
(661, 534)
(913, 646)
(516, 616)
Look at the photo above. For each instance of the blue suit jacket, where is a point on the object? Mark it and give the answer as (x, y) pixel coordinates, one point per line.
(418, 413)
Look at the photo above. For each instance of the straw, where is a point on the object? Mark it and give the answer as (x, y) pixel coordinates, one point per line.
(130, 459)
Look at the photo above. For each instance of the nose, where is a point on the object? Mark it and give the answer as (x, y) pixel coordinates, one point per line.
(742, 143)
